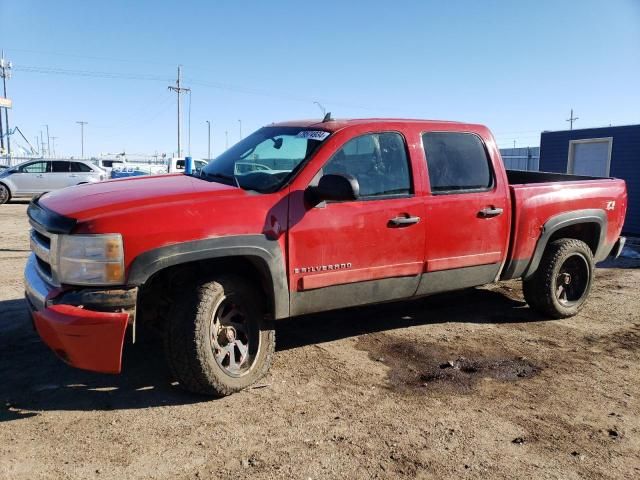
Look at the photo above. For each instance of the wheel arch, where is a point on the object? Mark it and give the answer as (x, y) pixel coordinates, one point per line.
(589, 226)
(246, 255)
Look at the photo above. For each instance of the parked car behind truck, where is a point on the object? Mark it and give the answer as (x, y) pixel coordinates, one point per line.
(347, 212)
(39, 176)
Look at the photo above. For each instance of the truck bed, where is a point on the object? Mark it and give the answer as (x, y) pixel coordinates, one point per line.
(520, 177)
(540, 197)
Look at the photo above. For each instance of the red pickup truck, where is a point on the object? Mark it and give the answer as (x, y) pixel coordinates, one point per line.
(303, 217)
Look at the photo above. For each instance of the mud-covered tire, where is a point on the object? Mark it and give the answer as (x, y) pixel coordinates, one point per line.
(189, 344)
(5, 194)
(550, 290)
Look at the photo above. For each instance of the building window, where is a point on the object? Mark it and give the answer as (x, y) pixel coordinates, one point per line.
(590, 157)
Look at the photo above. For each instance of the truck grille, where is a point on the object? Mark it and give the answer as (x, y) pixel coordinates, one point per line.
(44, 246)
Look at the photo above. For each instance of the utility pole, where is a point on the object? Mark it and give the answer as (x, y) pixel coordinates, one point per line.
(53, 141)
(82, 124)
(178, 89)
(226, 139)
(189, 150)
(5, 72)
(41, 145)
(209, 141)
(48, 141)
(1, 135)
(571, 119)
(240, 123)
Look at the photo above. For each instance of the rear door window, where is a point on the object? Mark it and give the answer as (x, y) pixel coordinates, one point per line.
(60, 166)
(457, 162)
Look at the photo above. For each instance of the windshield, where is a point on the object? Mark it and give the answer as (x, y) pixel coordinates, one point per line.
(266, 159)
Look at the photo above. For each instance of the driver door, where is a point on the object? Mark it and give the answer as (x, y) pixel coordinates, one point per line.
(357, 252)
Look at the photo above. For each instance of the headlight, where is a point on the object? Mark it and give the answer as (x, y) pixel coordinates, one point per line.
(90, 259)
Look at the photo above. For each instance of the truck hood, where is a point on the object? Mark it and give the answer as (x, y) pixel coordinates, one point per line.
(84, 202)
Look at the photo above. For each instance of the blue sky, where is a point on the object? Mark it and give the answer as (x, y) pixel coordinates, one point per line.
(516, 66)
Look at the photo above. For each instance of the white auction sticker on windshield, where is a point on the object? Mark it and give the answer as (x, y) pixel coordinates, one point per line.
(313, 134)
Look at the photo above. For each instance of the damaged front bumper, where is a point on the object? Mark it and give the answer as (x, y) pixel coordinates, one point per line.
(84, 327)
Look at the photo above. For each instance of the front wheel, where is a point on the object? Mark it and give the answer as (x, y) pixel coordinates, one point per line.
(5, 194)
(561, 284)
(219, 340)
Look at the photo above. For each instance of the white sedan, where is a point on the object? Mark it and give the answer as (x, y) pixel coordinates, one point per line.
(39, 176)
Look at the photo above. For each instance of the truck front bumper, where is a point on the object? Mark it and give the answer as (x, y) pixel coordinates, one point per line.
(84, 327)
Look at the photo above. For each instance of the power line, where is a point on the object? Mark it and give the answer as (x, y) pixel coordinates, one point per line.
(193, 81)
(90, 73)
(89, 57)
(159, 100)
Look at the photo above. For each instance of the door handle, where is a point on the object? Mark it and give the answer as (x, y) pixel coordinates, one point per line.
(490, 212)
(73, 175)
(39, 176)
(402, 221)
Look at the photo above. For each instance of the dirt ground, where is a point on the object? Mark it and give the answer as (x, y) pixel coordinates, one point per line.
(465, 385)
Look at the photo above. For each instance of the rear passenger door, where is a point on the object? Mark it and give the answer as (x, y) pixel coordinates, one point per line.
(467, 213)
(59, 176)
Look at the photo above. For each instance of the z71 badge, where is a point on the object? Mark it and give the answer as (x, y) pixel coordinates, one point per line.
(611, 205)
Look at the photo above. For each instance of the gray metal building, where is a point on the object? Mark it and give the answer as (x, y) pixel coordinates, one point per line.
(525, 158)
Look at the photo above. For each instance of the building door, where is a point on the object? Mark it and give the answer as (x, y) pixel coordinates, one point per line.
(590, 157)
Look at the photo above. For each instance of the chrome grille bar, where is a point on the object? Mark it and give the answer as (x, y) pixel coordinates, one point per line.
(39, 248)
(46, 254)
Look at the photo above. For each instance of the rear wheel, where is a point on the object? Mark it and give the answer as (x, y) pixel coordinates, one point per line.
(561, 284)
(5, 194)
(218, 339)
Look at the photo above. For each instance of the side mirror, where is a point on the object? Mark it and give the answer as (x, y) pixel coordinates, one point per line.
(335, 187)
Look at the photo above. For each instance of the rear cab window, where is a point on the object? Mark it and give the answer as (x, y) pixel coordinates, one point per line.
(457, 163)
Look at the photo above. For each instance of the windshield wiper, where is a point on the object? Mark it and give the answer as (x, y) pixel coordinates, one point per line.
(223, 176)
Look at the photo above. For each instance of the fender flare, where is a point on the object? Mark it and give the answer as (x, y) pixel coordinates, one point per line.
(557, 222)
(248, 246)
